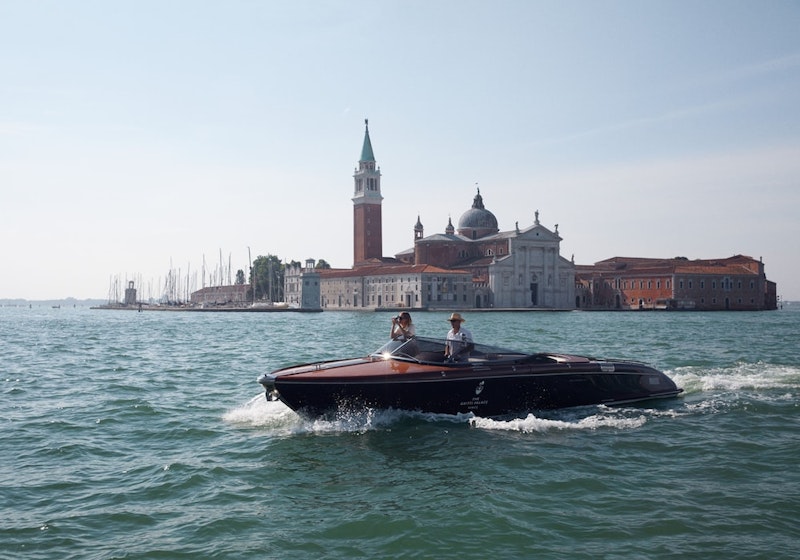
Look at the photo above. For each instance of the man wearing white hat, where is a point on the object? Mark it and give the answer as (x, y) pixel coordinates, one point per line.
(459, 340)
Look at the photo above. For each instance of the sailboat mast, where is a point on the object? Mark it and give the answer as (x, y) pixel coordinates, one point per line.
(252, 276)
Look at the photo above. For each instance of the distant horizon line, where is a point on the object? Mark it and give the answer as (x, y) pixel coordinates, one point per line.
(47, 300)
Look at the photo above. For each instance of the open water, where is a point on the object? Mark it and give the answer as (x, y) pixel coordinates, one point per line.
(145, 435)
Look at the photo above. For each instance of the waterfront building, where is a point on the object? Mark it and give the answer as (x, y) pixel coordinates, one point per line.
(302, 285)
(396, 286)
(473, 266)
(735, 283)
(234, 294)
(518, 269)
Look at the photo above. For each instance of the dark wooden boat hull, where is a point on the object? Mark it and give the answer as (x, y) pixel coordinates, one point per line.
(497, 389)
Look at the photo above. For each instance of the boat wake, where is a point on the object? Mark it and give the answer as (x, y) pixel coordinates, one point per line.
(758, 376)
(744, 386)
(280, 420)
(259, 412)
(603, 417)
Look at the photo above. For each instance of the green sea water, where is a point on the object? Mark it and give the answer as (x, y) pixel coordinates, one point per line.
(145, 435)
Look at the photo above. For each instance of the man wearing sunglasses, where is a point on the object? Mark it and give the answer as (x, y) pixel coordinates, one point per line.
(459, 340)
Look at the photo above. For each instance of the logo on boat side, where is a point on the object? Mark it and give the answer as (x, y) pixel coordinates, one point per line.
(475, 402)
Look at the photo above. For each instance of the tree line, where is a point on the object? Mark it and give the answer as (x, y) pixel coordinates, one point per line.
(266, 277)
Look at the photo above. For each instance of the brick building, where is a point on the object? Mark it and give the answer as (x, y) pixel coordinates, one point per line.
(734, 283)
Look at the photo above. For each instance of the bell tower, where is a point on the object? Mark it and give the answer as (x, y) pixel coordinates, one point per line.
(367, 227)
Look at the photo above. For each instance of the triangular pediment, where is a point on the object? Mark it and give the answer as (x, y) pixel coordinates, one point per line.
(538, 233)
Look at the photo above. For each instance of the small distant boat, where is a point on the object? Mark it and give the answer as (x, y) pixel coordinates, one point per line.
(270, 305)
(56, 307)
(490, 381)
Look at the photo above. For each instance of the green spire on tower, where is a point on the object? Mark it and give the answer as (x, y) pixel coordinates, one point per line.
(366, 151)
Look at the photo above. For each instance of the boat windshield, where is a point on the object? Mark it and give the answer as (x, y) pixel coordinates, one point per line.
(427, 350)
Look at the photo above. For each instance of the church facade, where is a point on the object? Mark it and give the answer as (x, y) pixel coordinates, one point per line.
(472, 266)
(517, 269)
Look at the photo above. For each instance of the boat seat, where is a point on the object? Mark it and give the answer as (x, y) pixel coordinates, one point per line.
(428, 356)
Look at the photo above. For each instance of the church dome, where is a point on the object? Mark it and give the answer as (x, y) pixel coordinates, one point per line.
(477, 221)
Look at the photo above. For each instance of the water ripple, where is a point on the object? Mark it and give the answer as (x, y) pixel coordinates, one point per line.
(145, 435)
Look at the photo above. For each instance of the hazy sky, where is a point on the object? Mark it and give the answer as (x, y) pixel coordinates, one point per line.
(138, 137)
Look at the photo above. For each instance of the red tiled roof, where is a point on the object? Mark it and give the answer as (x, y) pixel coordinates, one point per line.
(636, 266)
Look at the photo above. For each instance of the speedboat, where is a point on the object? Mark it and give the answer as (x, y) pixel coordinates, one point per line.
(487, 381)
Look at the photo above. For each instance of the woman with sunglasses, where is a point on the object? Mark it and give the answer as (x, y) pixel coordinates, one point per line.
(402, 327)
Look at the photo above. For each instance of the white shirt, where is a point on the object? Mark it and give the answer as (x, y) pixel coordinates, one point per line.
(458, 341)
